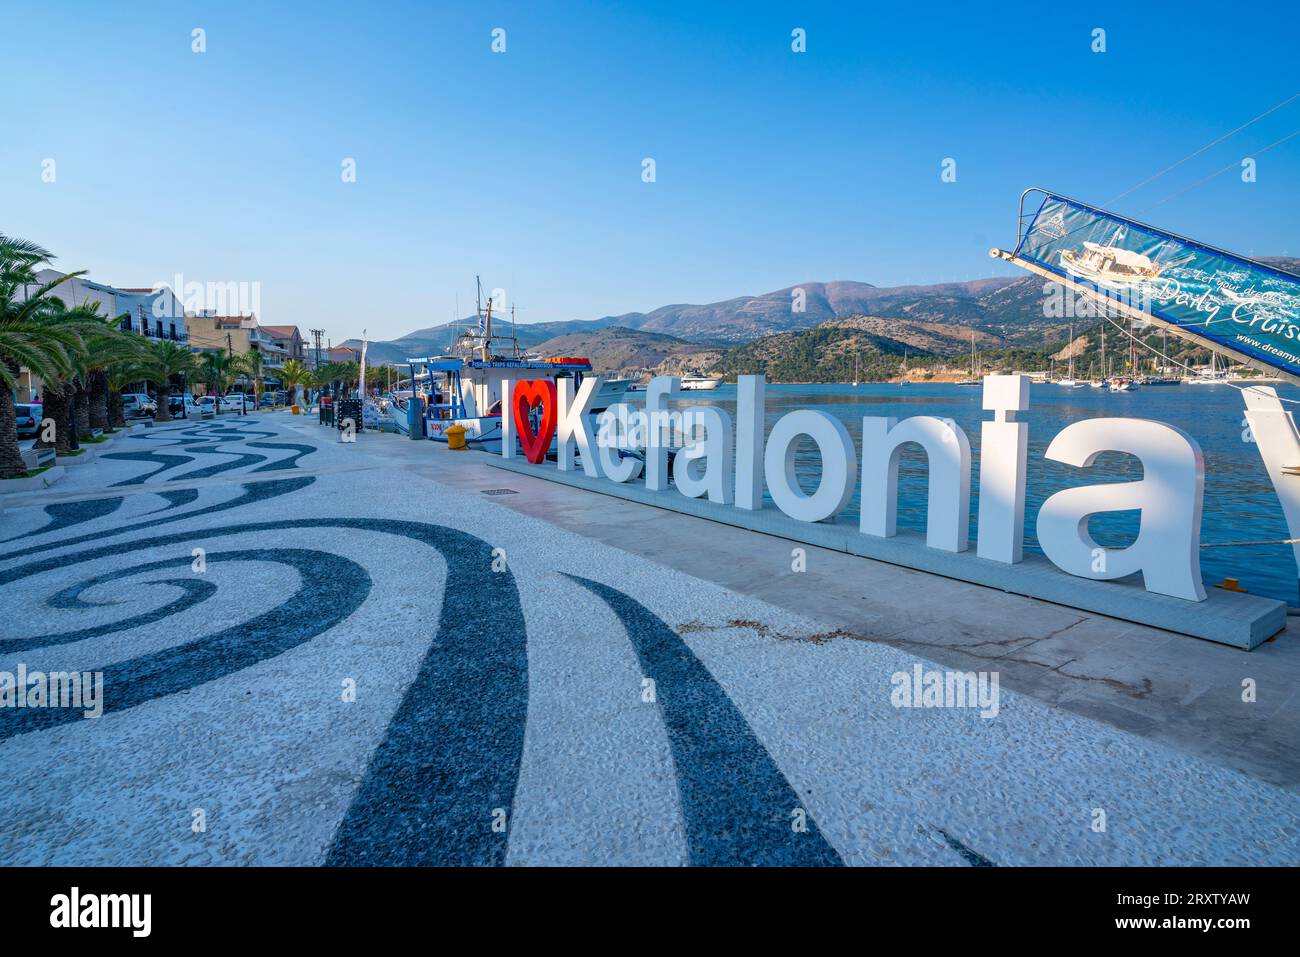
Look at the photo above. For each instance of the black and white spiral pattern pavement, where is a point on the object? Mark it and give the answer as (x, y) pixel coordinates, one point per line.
(503, 713)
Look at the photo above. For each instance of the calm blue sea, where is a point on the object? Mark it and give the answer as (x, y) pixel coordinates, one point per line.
(1240, 504)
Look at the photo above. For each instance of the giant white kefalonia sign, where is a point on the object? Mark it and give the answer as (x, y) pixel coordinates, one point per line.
(730, 463)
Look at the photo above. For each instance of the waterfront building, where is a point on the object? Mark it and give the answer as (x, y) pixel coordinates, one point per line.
(153, 312)
(289, 338)
(148, 311)
(340, 354)
(238, 335)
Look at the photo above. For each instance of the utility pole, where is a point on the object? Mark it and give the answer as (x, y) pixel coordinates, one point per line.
(316, 334)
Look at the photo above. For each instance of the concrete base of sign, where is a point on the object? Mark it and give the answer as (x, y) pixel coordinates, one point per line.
(1230, 618)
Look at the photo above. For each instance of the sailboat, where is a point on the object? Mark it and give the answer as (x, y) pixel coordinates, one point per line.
(856, 376)
(1070, 382)
(974, 376)
(1129, 382)
(1100, 383)
(1211, 377)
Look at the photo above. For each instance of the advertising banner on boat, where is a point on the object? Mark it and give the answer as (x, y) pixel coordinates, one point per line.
(1212, 295)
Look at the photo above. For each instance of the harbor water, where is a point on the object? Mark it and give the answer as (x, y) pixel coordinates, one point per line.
(1240, 504)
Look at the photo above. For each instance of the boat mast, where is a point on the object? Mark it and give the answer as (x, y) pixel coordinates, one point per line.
(1132, 350)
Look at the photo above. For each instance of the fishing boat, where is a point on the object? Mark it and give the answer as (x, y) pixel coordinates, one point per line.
(464, 387)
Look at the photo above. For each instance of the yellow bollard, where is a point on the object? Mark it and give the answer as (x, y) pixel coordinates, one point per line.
(456, 438)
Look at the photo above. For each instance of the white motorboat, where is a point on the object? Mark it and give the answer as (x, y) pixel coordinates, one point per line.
(1111, 265)
(699, 383)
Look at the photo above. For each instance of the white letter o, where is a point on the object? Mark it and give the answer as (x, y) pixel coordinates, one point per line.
(839, 465)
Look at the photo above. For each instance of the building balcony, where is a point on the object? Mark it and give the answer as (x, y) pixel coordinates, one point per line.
(158, 335)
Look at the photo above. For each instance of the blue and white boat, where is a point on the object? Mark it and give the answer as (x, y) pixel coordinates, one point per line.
(464, 388)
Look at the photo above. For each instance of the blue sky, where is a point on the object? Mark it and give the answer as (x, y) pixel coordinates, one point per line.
(772, 168)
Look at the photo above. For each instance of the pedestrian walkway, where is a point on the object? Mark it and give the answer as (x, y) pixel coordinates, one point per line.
(322, 653)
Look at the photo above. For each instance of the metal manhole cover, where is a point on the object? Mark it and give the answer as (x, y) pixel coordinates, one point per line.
(499, 491)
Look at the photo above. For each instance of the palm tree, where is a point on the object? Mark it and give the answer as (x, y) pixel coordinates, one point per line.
(293, 374)
(109, 348)
(34, 333)
(104, 345)
(216, 369)
(163, 360)
(119, 377)
(249, 366)
(67, 399)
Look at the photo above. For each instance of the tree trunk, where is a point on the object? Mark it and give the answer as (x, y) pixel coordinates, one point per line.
(81, 407)
(116, 410)
(164, 413)
(99, 400)
(68, 427)
(56, 408)
(11, 459)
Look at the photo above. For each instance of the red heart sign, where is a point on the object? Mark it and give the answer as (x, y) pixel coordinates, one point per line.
(524, 397)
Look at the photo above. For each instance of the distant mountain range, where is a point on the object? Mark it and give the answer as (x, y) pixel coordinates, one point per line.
(741, 334)
(745, 318)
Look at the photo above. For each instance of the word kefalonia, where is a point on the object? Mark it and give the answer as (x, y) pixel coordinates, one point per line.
(731, 464)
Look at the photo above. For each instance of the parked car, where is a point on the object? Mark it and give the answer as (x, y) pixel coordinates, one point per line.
(183, 406)
(29, 420)
(136, 405)
(234, 400)
(207, 405)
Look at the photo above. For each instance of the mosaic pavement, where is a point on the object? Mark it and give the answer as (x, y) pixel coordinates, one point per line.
(371, 667)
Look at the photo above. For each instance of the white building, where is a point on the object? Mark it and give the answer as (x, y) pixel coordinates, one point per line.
(156, 314)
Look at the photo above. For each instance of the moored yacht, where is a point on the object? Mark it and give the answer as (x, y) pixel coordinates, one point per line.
(699, 383)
